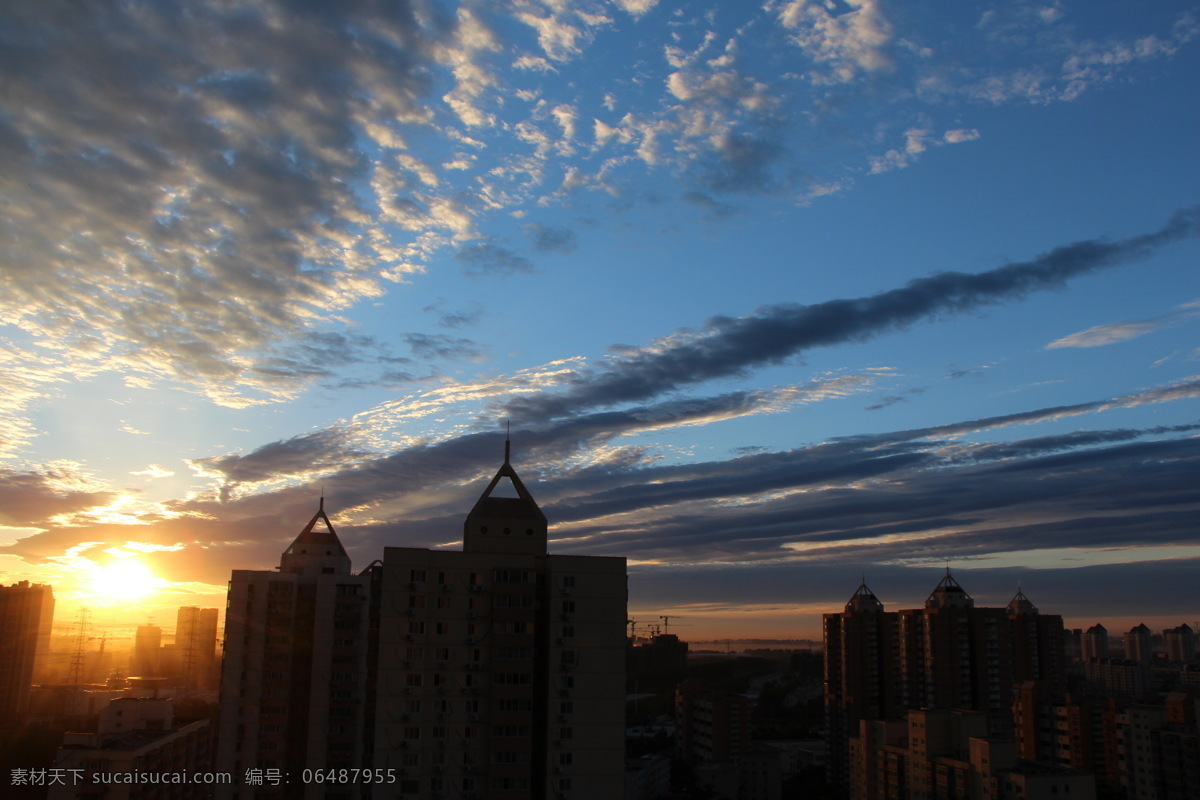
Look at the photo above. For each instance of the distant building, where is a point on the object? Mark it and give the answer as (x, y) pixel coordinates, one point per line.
(1180, 643)
(1094, 642)
(947, 655)
(196, 645)
(657, 664)
(26, 611)
(1118, 677)
(648, 777)
(136, 736)
(714, 725)
(1138, 645)
(947, 755)
(146, 660)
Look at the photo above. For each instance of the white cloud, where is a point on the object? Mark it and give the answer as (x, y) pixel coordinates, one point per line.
(960, 135)
(850, 43)
(636, 8)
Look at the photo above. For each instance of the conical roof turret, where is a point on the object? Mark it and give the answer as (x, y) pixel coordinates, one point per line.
(1021, 605)
(317, 549)
(949, 594)
(863, 599)
(506, 518)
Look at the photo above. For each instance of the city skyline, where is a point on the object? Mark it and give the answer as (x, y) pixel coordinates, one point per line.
(771, 297)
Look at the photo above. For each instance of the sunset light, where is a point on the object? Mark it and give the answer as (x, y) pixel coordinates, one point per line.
(123, 580)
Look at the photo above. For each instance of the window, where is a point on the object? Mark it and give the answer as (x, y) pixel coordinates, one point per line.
(416, 628)
(568, 581)
(443, 601)
(412, 679)
(416, 601)
(417, 576)
(568, 606)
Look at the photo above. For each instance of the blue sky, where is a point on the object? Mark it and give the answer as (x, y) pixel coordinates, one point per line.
(774, 295)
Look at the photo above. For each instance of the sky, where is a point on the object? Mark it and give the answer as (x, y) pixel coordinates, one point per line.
(776, 297)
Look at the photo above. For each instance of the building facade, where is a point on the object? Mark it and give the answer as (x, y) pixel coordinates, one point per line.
(501, 667)
(26, 611)
(949, 654)
(293, 680)
(196, 644)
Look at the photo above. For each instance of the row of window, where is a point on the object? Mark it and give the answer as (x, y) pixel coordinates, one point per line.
(500, 575)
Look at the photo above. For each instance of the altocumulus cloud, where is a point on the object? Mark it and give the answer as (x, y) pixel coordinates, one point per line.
(179, 186)
(728, 346)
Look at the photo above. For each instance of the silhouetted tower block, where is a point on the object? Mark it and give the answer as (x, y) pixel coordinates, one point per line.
(293, 679)
(1138, 645)
(501, 666)
(26, 611)
(948, 654)
(1094, 642)
(1180, 643)
(147, 656)
(862, 673)
(196, 643)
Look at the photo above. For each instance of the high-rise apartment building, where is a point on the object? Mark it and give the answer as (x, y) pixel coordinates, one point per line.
(714, 725)
(1180, 642)
(26, 611)
(1094, 643)
(1138, 644)
(293, 679)
(146, 659)
(496, 671)
(949, 654)
(196, 645)
(501, 667)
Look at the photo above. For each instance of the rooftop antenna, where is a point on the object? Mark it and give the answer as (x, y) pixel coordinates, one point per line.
(507, 439)
(321, 507)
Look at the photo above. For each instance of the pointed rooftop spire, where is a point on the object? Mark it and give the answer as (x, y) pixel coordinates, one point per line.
(315, 550)
(1020, 604)
(949, 594)
(505, 524)
(864, 599)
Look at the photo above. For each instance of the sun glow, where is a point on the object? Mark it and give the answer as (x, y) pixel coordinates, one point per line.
(126, 579)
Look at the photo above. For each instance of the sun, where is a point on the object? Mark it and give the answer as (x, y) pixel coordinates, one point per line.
(124, 580)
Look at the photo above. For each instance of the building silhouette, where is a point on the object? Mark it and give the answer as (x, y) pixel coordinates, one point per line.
(196, 645)
(1180, 642)
(146, 659)
(293, 679)
(501, 667)
(26, 611)
(496, 671)
(1139, 645)
(948, 655)
(1094, 642)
